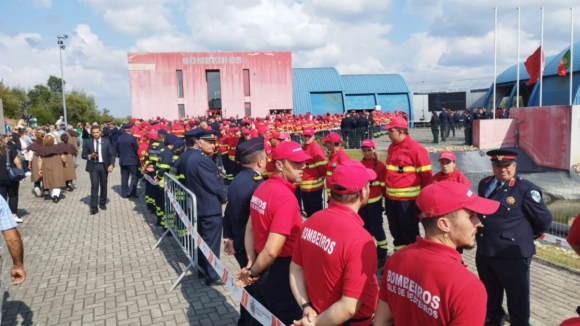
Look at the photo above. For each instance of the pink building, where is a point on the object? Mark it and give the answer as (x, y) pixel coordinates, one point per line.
(174, 85)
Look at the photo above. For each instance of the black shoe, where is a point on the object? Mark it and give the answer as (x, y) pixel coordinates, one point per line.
(55, 199)
(94, 211)
(103, 207)
(208, 282)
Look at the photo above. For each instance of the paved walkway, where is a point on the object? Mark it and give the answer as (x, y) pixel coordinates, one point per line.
(102, 270)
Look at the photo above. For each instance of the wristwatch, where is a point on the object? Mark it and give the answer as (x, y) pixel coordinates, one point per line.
(306, 305)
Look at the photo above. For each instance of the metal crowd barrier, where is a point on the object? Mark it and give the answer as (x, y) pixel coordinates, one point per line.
(181, 221)
(180, 204)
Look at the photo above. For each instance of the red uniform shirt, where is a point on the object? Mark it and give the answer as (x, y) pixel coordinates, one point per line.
(334, 160)
(426, 284)
(315, 169)
(408, 170)
(377, 189)
(338, 258)
(454, 176)
(274, 209)
(574, 233)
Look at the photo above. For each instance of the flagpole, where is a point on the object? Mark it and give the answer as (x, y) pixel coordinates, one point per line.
(494, 58)
(541, 56)
(518, 65)
(571, 51)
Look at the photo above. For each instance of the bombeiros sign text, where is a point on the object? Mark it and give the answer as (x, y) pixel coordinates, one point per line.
(211, 60)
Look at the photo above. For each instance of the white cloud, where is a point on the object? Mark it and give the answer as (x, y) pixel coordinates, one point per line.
(42, 3)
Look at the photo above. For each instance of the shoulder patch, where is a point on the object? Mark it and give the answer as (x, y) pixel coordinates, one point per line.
(536, 196)
(488, 179)
(257, 177)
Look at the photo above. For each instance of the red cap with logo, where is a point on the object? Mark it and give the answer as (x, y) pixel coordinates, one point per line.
(447, 155)
(152, 134)
(442, 198)
(367, 143)
(350, 177)
(308, 132)
(284, 135)
(333, 137)
(291, 151)
(396, 122)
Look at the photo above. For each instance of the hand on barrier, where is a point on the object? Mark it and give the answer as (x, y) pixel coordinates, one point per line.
(309, 317)
(244, 279)
(229, 246)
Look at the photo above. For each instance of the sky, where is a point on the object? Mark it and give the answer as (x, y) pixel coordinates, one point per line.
(423, 40)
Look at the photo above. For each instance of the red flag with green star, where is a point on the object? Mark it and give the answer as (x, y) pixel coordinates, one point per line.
(564, 64)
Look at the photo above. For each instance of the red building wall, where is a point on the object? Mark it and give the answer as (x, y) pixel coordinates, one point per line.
(154, 88)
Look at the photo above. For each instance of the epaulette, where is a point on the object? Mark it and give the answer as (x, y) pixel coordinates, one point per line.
(258, 177)
(488, 179)
(512, 182)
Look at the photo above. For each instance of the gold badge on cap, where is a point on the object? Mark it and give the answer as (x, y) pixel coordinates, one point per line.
(500, 157)
(510, 200)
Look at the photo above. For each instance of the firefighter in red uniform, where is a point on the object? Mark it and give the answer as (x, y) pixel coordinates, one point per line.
(408, 170)
(332, 274)
(426, 283)
(372, 213)
(336, 157)
(272, 233)
(177, 128)
(448, 171)
(312, 183)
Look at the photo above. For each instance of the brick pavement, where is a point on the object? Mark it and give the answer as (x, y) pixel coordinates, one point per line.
(101, 270)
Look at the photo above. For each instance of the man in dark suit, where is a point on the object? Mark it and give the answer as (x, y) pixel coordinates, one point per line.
(252, 157)
(128, 160)
(505, 245)
(202, 178)
(100, 156)
(445, 121)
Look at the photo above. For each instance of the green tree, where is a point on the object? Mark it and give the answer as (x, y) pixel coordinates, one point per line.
(42, 115)
(54, 84)
(40, 95)
(10, 102)
(106, 116)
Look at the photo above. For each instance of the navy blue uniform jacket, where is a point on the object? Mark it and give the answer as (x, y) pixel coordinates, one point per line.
(127, 150)
(521, 216)
(238, 209)
(203, 180)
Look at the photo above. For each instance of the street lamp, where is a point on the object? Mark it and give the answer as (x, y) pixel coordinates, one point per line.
(61, 47)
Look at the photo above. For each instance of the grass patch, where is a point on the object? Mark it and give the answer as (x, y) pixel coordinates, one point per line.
(558, 255)
(354, 154)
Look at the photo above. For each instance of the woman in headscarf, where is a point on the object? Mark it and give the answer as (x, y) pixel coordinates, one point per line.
(52, 165)
(73, 141)
(34, 164)
(8, 188)
(69, 170)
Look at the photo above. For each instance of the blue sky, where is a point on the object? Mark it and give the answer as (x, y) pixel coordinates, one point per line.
(423, 40)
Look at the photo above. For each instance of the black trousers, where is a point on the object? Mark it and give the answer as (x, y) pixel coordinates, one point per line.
(210, 230)
(9, 190)
(511, 275)
(451, 128)
(468, 135)
(273, 291)
(403, 223)
(435, 132)
(98, 179)
(444, 132)
(372, 216)
(126, 172)
(311, 201)
(245, 317)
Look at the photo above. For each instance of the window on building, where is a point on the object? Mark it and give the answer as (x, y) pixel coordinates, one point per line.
(248, 108)
(179, 83)
(246, 82)
(181, 109)
(214, 89)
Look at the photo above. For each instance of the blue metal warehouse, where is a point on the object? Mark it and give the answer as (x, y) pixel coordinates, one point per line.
(556, 88)
(321, 90)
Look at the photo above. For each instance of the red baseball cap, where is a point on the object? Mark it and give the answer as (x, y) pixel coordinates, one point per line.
(350, 177)
(308, 132)
(152, 135)
(291, 151)
(442, 198)
(333, 137)
(367, 143)
(284, 135)
(447, 155)
(246, 131)
(396, 122)
(274, 134)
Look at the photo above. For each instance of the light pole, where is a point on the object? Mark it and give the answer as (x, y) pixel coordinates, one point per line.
(61, 47)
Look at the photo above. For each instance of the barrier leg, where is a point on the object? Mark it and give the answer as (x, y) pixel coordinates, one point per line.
(191, 264)
(160, 239)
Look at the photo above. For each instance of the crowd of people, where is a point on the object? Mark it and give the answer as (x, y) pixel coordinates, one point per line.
(309, 264)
